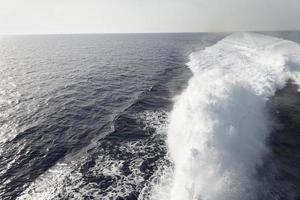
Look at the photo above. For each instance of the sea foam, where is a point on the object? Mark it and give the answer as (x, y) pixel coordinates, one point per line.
(219, 124)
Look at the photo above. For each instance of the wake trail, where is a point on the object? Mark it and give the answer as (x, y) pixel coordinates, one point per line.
(219, 124)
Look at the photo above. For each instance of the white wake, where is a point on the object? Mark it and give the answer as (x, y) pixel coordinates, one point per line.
(219, 124)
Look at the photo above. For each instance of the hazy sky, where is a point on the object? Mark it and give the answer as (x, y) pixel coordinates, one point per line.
(104, 16)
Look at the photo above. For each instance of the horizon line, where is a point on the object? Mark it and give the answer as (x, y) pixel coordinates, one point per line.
(120, 33)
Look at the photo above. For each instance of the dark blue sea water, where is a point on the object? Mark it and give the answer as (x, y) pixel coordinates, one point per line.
(83, 100)
(86, 116)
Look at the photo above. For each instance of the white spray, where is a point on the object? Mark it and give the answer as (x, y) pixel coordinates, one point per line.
(218, 126)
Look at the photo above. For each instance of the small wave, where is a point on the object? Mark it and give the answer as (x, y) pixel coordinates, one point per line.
(219, 124)
(9, 100)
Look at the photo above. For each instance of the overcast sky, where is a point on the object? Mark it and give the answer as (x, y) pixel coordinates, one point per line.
(117, 16)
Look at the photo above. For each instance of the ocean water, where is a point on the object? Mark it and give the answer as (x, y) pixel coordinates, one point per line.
(199, 116)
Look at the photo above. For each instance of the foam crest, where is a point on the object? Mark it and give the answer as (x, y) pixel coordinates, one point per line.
(107, 172)
(219, 124)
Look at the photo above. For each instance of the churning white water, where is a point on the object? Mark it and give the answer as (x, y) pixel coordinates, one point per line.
(219, 124)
